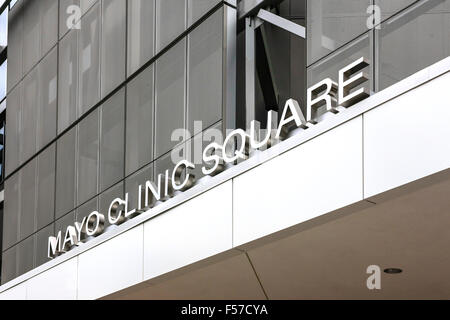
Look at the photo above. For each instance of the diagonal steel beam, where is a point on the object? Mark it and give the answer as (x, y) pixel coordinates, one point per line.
(282, 23)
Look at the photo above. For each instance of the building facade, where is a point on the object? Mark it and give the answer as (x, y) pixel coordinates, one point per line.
(101, 96)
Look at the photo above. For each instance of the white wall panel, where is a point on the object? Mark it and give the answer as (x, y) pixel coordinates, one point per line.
(190, 232)
(58, 283)
(407, 138)
(111, 266)
(18, 292)
(317, 177)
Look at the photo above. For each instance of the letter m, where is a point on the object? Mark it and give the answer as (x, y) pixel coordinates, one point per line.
(54, 246)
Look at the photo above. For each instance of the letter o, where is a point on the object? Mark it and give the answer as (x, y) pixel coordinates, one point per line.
(95, 224)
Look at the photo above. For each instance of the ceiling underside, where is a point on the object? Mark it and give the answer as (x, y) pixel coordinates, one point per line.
(329, 260)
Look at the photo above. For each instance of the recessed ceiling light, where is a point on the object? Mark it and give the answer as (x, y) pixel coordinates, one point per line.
(393, 270)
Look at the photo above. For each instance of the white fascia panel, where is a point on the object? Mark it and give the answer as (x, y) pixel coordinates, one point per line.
(319, 176)
(195, 230)
(407, 138)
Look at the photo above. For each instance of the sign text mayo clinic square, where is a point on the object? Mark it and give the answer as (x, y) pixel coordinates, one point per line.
(325, 95)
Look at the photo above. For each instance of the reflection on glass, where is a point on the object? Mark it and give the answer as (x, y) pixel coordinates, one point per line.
(205, 72)
(88, 157)
(331, 24)
(3, 70)
(65, 173)
(389, 7)
(329, 67)
(4, 28)
(141, 17)
(89, 60)
(170, 21)
(413, 40)
(112, 140)
(139, 135)
(170, 97)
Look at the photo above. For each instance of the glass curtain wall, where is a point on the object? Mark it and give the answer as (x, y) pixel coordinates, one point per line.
(398, 37)
(96, 90)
